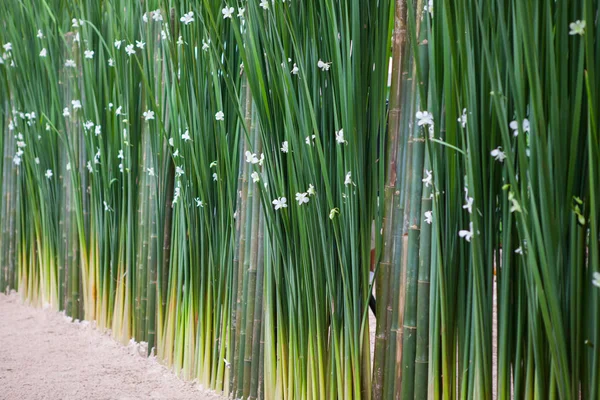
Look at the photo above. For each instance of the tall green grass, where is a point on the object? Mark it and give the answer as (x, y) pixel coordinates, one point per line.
(210, 178)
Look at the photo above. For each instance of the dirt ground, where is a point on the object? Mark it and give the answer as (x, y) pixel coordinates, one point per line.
(43, 355)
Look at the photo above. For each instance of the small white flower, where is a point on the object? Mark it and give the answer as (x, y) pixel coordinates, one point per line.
(199, 202)
(205, 45)
(148, 115)
(227, 12)
(284, 147)
(171, 142)
(424, 118)
(76, 38)
(311, 190)
(40, 34)
(429, 7)
(469, 205)
(295, 70)
(280, 202)
(186, 136)
(119, 110)
(514, 125)
(120, 155)
(68, 166)
(219, 116)
(255, 177)
(467, 235)
(66, 112)
(176, 153)
(324, 65)
(150, 171)
(88, 125)
(139, 44)
(17, 160)
(118, 43)
(129, 50)
(428, 180)
(339, 136)
(261, 160)
(240, 13)
(157, 15)
(519, 250)
(333, 213)
(463, 118)
(70, 64)
(577, 28)
(596, 279)
(428, 217)
(302, 198)
(49, 173)
(145, 17)
(76, 104)
(215, 176)
(251, 158)
(498, 154)
(89, 54)
(44, 52)
(111, 62)
(179, 171)
(180, 41)
(7, 46)
(90, 168)
(515, 207)
(309, 141)
(21, 144)
(187, 18)
(348, 179)
(37, 160)
(163, 35)
(106, 206)
(264, 4)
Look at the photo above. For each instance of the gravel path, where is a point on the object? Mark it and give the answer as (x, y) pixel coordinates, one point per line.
(45, 356)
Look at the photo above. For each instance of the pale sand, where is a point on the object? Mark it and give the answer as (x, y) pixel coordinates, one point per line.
(45, 356)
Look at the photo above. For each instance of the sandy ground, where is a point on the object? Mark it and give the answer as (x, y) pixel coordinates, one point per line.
(45, 356)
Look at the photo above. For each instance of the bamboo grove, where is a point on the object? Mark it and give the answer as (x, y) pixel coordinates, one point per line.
(215, 179)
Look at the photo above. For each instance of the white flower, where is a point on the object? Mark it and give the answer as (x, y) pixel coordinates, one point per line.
(240, 13)
(40, 34)
(302, 198)
(467, 235)
(215, 176)
(180, 41)
(255, 177)
(49, 173)
(157, 15)
(70, 64)
(428, 217)
(21, 144)
(463, 118)
(596, 279)
(17, 160)
(68, 166)
(285, 147)
(199, 202)
(295, 70)
(264, 4)
(498, 154)
(176, 153)
(469, 205)
(66, 112)
(89, 54)
(163, 35)
(428, 180)
(261, 160)
(119, 110)
(219, 116)
(187, 18)
(514, 125)
(308, 140)
(145, 17)
(348, 179)
(111, 62)
(577, 28)
(515, 207)
(311, 190)
(106, 206)
(424, 118)
(76, 38)
(129, 50)
(120, 155)
(179, 171)
(333, 213)
(324, 65)
(148, 115)
(280, 202)
(90, 168)
(7, 46)
(44, 52)
(37, 160)
(88, 125)
(76, 104)
(150, 171)
(519, 250)
(186, 135)
(118, 43)
(140, 44)
(205, 45)
(171, 142)
(339, 136)
(227, 12)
